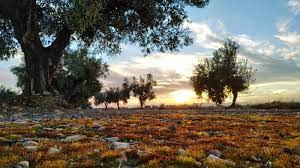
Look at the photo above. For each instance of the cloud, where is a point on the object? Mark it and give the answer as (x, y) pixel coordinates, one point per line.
(270, 59)
(206, 37)
(295, 6)
(283, 25)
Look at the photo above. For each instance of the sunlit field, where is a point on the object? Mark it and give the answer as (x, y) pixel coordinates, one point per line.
(155, 138)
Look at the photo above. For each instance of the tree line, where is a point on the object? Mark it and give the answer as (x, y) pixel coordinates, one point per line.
(140, 88)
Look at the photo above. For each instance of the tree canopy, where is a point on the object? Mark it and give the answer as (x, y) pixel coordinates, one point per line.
(77, 78)
(225, 73)
(143, 89)
(42, 29)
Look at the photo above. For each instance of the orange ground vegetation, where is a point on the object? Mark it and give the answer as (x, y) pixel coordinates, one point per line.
(156, 139)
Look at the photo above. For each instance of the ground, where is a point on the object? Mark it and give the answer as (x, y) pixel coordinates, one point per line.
(150, 138)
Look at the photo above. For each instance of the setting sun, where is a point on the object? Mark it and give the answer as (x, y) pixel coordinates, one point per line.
(182, 96)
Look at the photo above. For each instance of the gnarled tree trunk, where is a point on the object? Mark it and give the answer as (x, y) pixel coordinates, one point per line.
(41, 62)
(235, 95)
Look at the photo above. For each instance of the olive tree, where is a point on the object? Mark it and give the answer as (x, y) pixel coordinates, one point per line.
(143, 89)
(42, 29)
(223, 75)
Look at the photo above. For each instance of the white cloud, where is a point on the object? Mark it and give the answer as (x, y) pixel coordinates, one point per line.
(283, 25)
(205, 36)
(295, 6)
(290, 38)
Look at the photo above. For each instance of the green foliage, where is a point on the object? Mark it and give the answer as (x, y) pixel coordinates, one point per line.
(6, 95)
(152, 24)
(114, 95)
(223, 74)
(276, 105)
(19, 72)
(76, 79)
(143, 89)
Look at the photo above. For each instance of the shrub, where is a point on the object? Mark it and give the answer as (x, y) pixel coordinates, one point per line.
(6, 95)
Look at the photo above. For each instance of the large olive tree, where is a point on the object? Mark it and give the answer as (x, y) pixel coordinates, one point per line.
(42, 29)
(223, 74)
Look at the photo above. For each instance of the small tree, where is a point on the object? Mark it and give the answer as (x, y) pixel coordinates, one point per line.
(101, 98)
(6, 95)
(77, 78)
(143, 89)
(114, 95)
(223, 74)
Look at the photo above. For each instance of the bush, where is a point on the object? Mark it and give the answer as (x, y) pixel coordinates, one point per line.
(6, 95)
(277, 105)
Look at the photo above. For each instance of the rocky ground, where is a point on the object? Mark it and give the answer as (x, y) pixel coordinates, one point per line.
(33, 137)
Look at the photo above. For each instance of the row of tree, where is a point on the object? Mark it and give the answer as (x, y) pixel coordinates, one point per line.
(140, 88)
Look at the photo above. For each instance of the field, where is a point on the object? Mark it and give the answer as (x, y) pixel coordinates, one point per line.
(168, 138)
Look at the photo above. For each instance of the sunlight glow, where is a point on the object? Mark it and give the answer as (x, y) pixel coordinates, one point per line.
(183, 96)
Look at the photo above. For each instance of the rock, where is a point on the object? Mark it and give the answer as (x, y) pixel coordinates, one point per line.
(132, 125)
(57, 111)
(217, 159)
(96, 125)
(46, 93)
(142, 154)
(48, 129)
(112, 139)
(31, 148)
(216, 153)
(30, 143)
(181, 152)
(120, 145)
(254, 159)
(37, 126)
(73, 138)
(96, 150)
(268, 164)
(54, 150)
(23, 164)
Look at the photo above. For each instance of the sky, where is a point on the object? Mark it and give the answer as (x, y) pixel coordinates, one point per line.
(268, 32)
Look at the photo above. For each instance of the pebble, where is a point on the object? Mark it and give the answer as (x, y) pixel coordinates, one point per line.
(31, 148)
(216, 153)
(22, 164)
(30, 143)
(73, 138)
(133, 125)
(217, 159)
(112, 139)
(181, 152)
(120, 145)
(54, 150)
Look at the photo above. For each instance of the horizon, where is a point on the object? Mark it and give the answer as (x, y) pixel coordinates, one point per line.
(268, 36)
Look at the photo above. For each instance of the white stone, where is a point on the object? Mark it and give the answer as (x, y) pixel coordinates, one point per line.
(30, 143)
(31, 148)
(212, 157)
(133, 125)
(74, 138)
(216, 153)
(120, 145)
(181, 152)
(54, 150)
(23, 164)
(112, 139)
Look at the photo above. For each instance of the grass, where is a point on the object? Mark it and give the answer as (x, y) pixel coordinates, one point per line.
(159, 136)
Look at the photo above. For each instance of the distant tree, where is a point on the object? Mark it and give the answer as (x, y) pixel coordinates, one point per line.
(6, 95)
(223, 74)
(42, 29)
(101, 98)
(143, 89)
(116, 94)
(77, 78)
